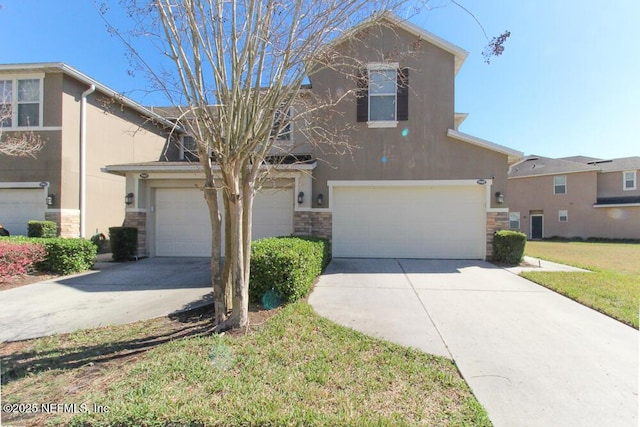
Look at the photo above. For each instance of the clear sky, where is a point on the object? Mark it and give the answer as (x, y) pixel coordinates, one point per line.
(567, 84)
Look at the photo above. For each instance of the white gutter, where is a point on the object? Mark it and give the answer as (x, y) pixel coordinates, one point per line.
(83, 157)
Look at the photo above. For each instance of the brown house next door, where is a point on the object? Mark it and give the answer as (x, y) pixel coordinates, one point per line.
(536, 226)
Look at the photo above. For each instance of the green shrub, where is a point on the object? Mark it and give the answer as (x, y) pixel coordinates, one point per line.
(286, 265)
(42, 229)
(124, 242)
(66, 256)
(508, 246)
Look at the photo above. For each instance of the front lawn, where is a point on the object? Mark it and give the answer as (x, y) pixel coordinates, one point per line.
(614, 286)
(295, 369)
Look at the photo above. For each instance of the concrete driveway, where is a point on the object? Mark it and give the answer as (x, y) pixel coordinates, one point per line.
(532, 357)
(112, 294)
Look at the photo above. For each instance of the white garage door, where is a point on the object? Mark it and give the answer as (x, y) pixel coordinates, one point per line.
(409, 222)
(183, 227)
(20, 205)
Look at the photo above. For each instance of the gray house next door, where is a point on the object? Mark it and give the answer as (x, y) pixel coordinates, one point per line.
(537, 226)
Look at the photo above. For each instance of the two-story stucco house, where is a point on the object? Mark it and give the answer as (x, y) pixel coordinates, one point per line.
(575, 197)
(414, 186)
(85, 125)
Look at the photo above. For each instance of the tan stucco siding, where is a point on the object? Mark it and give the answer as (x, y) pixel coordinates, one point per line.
(52, 108)
(114, 134)
(610, 184)
(417, 149)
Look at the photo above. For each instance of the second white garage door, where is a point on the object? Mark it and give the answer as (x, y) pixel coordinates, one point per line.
(409, 222)
(183, 227)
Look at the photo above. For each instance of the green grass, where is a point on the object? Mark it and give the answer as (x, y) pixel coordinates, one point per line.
(296, 369)
(612, 288)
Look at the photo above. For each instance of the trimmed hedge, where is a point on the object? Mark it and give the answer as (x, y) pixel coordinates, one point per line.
(19, 257)
(66, 256)
(44, 229)
(286, 265)
(124, 242)
(508, 246)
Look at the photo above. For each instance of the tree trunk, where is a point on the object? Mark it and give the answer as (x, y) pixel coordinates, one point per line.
(219, 300)
(234, 260)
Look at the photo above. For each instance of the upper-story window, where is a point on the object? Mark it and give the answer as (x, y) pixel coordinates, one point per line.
(21, 102)
(383, 95)
(629, 180)
(560, 184)
(283, 126)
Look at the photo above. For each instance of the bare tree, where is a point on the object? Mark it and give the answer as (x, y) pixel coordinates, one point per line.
(15, 143)
(236, 69)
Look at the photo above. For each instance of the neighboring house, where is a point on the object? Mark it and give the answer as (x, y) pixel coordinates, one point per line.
(68, 109)
(575, 197)
(414, 187)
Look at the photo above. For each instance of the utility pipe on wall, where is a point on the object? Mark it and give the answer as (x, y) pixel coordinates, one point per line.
(83, 157)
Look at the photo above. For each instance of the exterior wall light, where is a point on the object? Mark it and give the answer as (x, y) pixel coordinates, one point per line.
(144, 175)
(499, 197)
(128, 199)
(320, 199)
(50, 199)
(300, 197)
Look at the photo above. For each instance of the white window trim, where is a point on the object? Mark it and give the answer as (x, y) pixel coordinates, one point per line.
(565, 184)
(14, 100)
(624, 181)
(381, 66)
(560, 215)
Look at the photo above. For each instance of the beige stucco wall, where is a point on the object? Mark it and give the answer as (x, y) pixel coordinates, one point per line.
(424, 152)
(610, 185)
(46, 165)
(536, 194)
(115, 134)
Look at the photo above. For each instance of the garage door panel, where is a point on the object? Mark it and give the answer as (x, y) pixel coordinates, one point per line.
(408, 222)
(20, 205)
(183, 227)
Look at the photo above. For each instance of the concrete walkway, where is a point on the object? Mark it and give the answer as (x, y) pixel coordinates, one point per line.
(532, 357)
(113, 293)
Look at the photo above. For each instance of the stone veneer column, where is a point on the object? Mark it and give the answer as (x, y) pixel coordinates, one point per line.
(495, 221)
(312, 223)
(138, 219)
(68, 221)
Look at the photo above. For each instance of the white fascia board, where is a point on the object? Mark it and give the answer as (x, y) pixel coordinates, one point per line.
(619, 205)
(550, 174)
(459, 54)
(192, 168)
(514, 155)
(411, 183)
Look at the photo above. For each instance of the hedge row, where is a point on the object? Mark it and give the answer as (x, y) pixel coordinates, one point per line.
(42, 229)
(508, 246)
(285, 267)
(63, 256)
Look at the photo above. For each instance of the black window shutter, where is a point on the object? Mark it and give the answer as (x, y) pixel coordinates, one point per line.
(403, 94)
(362, 102)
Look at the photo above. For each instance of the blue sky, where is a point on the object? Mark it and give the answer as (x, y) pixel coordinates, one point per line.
(567, 84)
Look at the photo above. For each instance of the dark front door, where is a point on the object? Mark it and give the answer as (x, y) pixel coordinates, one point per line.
(536, 226)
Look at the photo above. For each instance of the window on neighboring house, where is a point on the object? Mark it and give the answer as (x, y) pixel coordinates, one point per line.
(20, 102)
(559, 184)
(563, 216)
(514, 220)
(629, 178)
(383, 95)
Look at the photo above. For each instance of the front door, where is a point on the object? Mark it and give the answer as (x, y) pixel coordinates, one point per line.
(536, 226)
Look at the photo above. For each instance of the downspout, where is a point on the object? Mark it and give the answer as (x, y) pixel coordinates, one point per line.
(83, 157)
